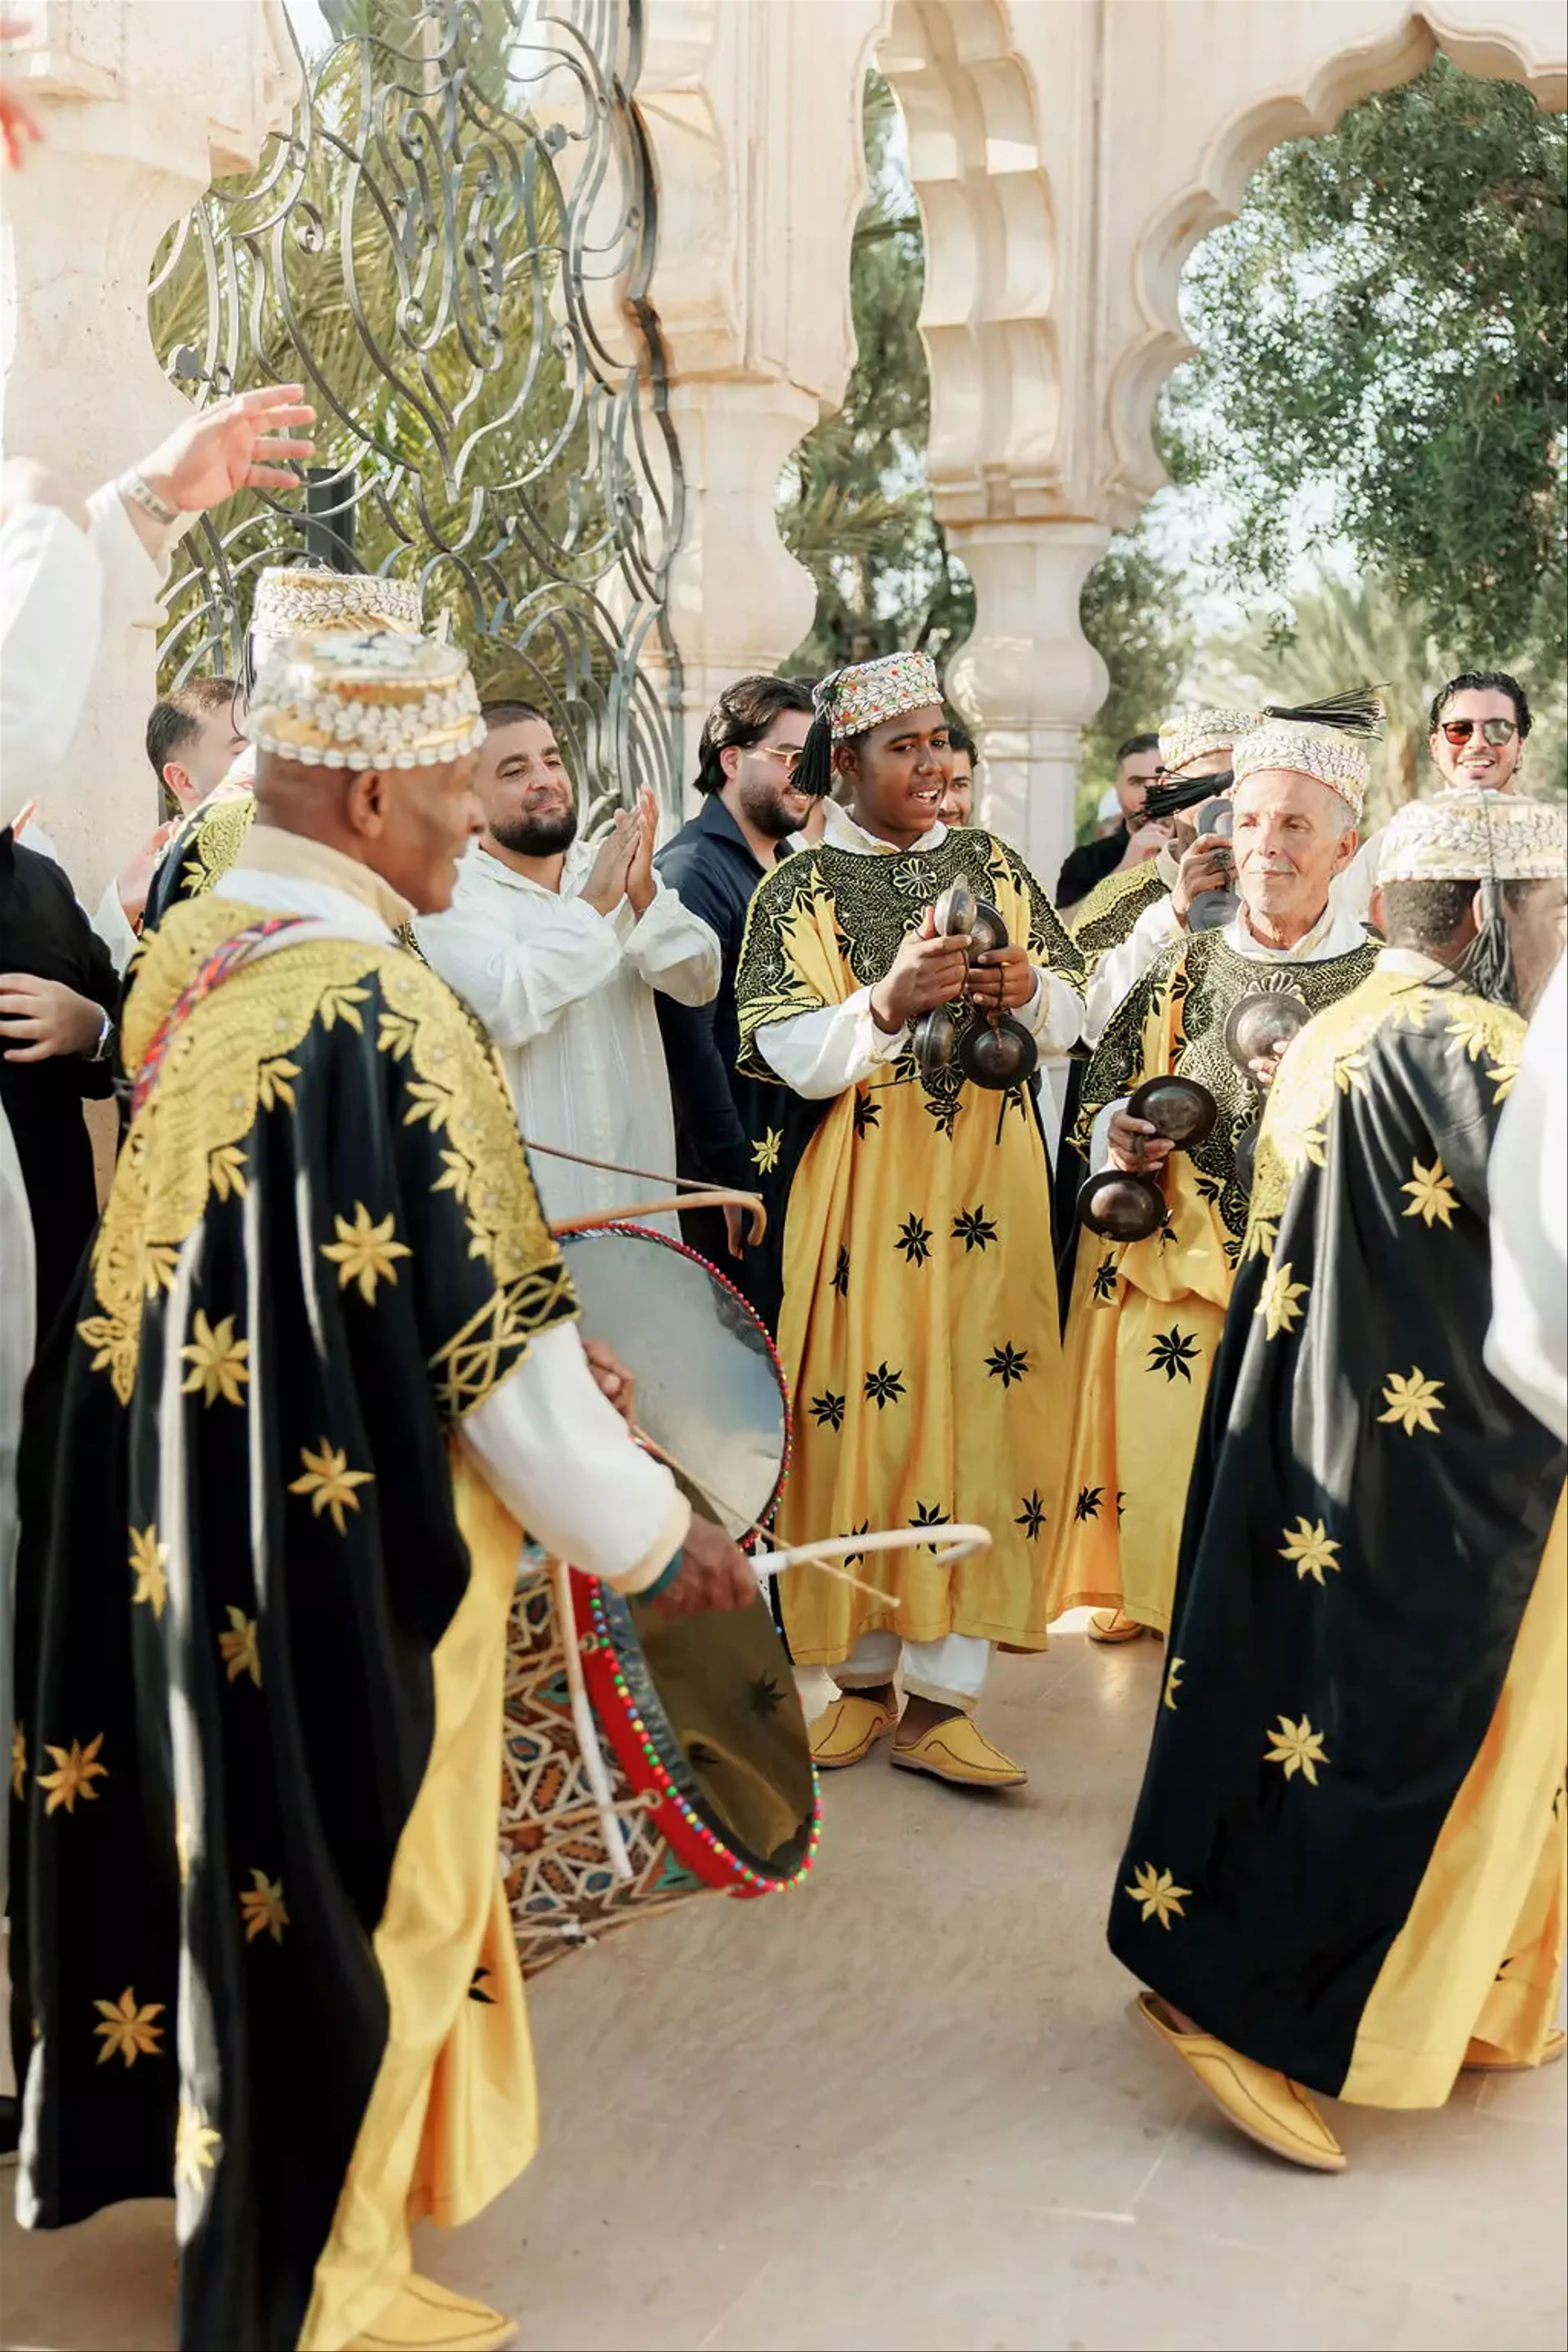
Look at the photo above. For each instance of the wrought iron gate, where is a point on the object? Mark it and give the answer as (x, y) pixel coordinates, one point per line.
(452, 247)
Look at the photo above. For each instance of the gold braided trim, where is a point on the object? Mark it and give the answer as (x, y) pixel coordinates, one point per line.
(215, 846)
(233, 1059)
(1329, 1058)
(1103, 920)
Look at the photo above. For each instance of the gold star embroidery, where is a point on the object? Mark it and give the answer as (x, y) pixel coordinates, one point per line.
(147, 1559)
(1279, 1300)
(1173, 1680)
(129, 2031)
(1502, 1077)
(1298, 1748)
(195, 2147)
(272, 1083)
(155, 1263)
(262, 1908)
(396, 1034)
(1413, 1401)
(766, 1153)
(1311, 1547)
(1432, 1195)
(239, 1647)
(78, 1769)
(340, 1004)
(217, 1361)
(364, 1253)
(226, 1170)
(330, 1482)
(18, 1759)
(1158, 1892)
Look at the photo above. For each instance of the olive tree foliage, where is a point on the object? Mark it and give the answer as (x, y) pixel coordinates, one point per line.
(1381, 362)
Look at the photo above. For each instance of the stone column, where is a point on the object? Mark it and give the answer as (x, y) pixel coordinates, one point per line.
(141, 101)
(1029, 678)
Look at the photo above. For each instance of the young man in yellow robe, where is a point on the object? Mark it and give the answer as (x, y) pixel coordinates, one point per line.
(324, 1366)
(919, 1328)
(1146, 1316)
(1346, 1871)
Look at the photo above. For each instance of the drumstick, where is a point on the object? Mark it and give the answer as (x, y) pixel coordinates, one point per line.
(638, 1212)
(970, 1537)
(702, 1194)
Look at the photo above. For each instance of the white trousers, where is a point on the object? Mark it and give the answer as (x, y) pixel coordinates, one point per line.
(952, 1671)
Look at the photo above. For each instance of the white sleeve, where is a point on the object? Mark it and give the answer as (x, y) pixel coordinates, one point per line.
(131, 577)
(1099, 1135)
(1526, 1345)
(113, 929)
(1054, 1015)
(51, 597)
(823, 1054)
(673, 949)
(1120, 966)
(1351, 893)
(565, 1466)
(520, 987)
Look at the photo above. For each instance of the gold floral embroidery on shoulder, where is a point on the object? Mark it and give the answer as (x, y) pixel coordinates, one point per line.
(239, 1055)
(215, 845)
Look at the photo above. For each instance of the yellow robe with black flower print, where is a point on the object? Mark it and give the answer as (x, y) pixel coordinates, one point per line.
(918, 1331)
(1146, 1317)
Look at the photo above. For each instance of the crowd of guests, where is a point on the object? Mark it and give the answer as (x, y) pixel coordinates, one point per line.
(1210, 1430)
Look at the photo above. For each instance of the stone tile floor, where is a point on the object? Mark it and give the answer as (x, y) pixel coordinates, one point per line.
(905, 2108)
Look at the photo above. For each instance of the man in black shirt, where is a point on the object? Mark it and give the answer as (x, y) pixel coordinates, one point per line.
(751, 746)
(1137, 767)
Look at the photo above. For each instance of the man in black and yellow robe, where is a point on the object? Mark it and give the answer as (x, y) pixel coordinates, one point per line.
(322, 1364)
(1146, 1317)
(919, 1329)
(1346, 1871)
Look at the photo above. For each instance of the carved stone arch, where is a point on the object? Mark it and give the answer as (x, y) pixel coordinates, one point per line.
(1523, 43)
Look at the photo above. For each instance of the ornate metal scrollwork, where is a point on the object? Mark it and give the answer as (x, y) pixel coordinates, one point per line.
(452, 247)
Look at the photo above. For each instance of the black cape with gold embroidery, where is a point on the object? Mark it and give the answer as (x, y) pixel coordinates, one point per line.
(240, 1551)
(1363, 1530)
(198, 855)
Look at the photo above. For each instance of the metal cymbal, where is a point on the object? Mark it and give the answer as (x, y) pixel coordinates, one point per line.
(1178, 1108)
(1120, 1207)
(954, 911)
(999, 1057)
(1261, 1025)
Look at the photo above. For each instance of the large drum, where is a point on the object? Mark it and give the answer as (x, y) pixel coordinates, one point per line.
(649, 1759)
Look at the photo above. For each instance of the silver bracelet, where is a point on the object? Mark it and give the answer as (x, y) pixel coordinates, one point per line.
(131, 486)
(101, 1052)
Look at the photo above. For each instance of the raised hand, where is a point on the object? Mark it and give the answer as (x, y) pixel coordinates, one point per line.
(235, 445)
(1002, 980)
(930, 968)
(607, 883)
(46, 1018)
(1136, 1146)
(639, 872)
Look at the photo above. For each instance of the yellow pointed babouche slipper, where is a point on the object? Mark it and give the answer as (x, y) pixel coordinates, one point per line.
(847, 1729)
(1483, 2058)
(424, 2316)
(956, 1750)
(1265, 2105)
(1115, 1625)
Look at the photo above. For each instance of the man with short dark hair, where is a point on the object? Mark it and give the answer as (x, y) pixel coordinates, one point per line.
(1138, 765)
(750, 749)
(563, 947)
(1475, 730)
(194, 740)
(958, 801)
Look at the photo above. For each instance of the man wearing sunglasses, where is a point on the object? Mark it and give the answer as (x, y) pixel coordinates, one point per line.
(1478, 724)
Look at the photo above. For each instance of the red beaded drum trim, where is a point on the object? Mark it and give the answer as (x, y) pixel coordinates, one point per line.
(690, 1839)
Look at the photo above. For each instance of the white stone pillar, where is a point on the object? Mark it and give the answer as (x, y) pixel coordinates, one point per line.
(1029, 678)
(141, 101)
(739, 600)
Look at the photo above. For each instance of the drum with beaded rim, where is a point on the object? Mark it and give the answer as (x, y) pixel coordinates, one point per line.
(648, 1759)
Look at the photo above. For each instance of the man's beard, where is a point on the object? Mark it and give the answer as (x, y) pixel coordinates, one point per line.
(762, 804)
(538, 836)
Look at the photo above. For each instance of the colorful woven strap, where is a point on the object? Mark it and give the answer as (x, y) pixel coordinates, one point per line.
(224, 961)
